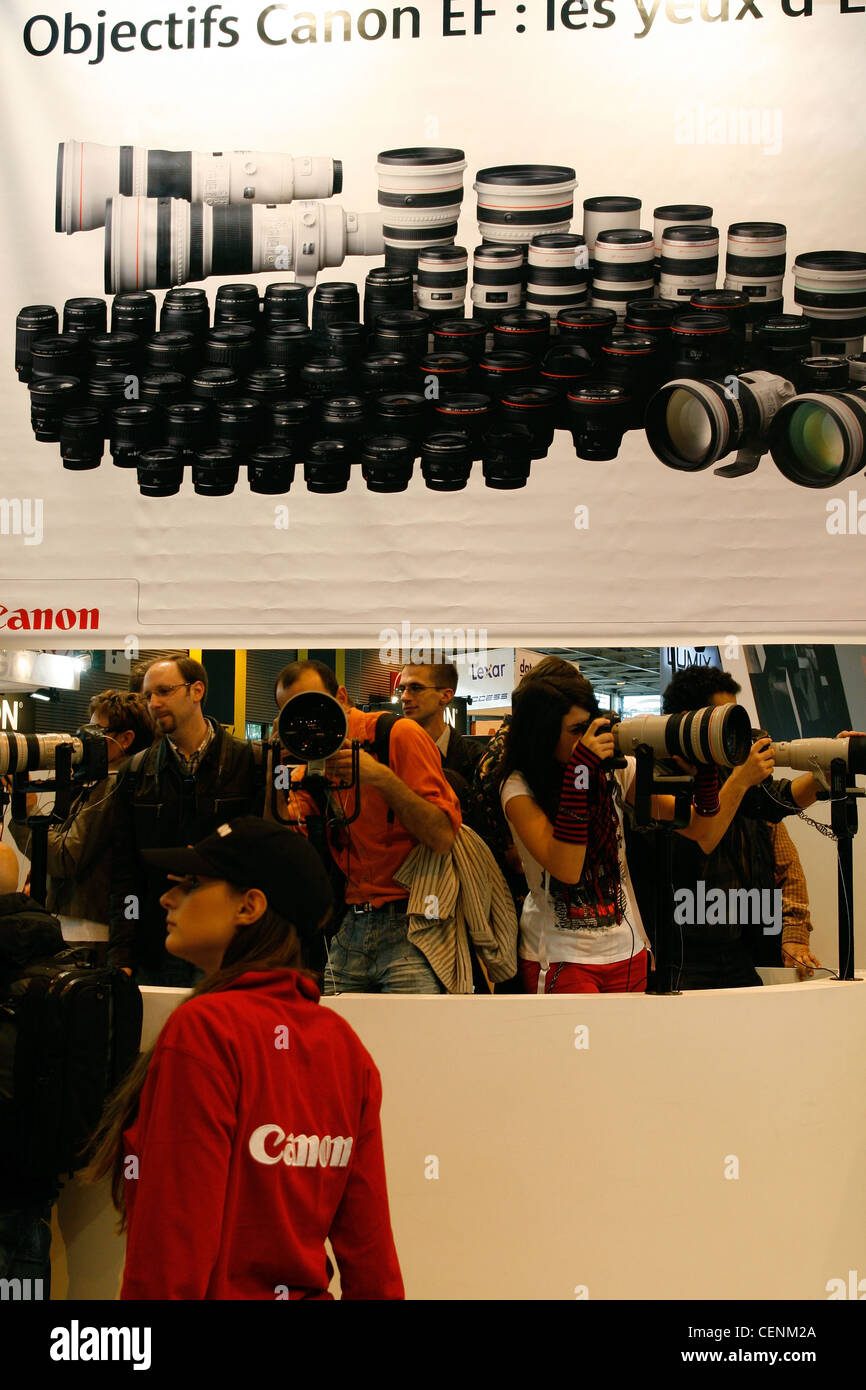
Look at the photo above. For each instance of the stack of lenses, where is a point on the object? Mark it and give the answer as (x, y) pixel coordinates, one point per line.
(606, 214)
(386, 288)
(830, 286)
(781, 345)
(755, 264)
(497, 281)
(677, 215)
(420, 193)
(623, 268)
(689, 261)
(33, 322)
(587, 328)
(517, 202)
(558, 272)
(336, 301)
(443, 273)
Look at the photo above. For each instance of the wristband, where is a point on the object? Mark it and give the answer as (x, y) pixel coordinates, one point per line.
(572, 816)
(706, 790)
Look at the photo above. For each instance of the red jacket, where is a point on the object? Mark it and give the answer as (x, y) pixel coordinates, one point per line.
(258, 1136)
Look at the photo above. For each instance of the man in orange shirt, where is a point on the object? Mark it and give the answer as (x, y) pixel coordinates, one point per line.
(405, 803)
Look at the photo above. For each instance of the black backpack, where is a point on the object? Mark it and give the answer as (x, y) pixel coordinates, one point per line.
(69, 1031)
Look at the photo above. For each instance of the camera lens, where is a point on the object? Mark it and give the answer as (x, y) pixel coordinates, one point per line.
(782, 344)
(176, 351)
(160, 473)
(187, 426)
(471, 412)
(755, 259)
(134, 312)
(677, 215)
(444, 372)
(33, 322)
(690, 424)
(446, 461)
(384, 371)
(346, 340)
(526, 330)
(113, 352)
(401, 413)
(162, 388)
(831, 288)
(604, 214)
(284, 302)
(632, 362)
(689, 261)
(443, 273)
(387, 462)
(50, 398)
(497, 281)
(587, 328)
(84, 317)
(268, 384)
(233, 346)
(817, 440)
(386, 288)
(328, 465)
(58, 355)
(507, 457)
(214, 472)
(215, 384)
(564, 367)
(825, 374)
(82, 439)
(652, 318)
(701, 345)
(557, 275)
(291, 424)
(623, 268)
(322, 377)
(344, 417)
(857, 369)
(600, 416)
(519, 201)
(334, 302)
(288, 345)
(420, 192)
(236, 304)
(402, 330)
(239, 425)
(737, 310)
(460, 335)
(105, 394)
(501, 371)
(134, 430)
(271, 470)
(185, 310)
(537, 409)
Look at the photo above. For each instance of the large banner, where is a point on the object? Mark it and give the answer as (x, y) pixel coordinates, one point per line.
(119, 177)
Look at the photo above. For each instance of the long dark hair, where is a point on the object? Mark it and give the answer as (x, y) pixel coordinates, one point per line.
(538, 708)
(269, 943)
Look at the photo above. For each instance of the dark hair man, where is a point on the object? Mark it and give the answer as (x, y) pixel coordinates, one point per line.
(193, 779)
(425, 693)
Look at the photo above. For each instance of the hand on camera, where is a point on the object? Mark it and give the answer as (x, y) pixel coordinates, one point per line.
(598, 739)
(338, 767)
(800, 957)
(759, 765)
(851, 733)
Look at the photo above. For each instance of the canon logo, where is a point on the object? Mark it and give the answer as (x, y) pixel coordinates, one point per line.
(269, 1144)
(48, 619)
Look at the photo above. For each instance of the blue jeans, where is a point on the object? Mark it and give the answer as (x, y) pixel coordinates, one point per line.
(372, 954)
(25, 1247)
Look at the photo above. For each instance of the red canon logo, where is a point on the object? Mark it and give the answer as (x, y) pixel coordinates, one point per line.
(48, 619)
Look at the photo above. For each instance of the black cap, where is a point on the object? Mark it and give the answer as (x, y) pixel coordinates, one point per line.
(254, 853)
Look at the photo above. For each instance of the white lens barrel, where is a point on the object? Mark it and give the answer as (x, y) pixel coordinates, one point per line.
(497, 280)
(623, 268)
(678, 215)
(420, 194)
(557, 276)
(443, 274)
(605, 214)
(689, 261)
(830, 287)
(517, 202)
(32, 752)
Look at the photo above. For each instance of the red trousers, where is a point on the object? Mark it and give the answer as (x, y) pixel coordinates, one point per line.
(567, 977)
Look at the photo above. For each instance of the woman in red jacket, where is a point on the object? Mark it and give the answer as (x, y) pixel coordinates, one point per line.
(251, 1132)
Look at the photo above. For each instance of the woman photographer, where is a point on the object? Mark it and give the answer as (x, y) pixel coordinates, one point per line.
(251, 1132)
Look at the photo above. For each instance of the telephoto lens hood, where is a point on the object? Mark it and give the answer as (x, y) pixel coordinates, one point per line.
(816, 755)
(311, 727)
(721, 734)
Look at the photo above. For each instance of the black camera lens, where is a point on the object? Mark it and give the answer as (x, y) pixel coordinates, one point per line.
(336, 301)
(328, 465)
(387, 462)
(343, 417)
(215, 384)
(345, 339)
(50, 398)
(525, 330)
(824, 374)
(460, 335)
(651, 317)
(405, 331)
(160, 473)
(236, 304)
(185, 310)
(58, 355)
(291, 424)
(176, 351)
(105, 394)
(379, 372)
(536, 409)
(134, 312)
(85, 317)
(268, 384)
(287, 345)
(781, 345)
(33, 322)
(81, 439)
(386, 288)
(446, 460)
(271, 469)
(441, 372)
(631, 360)
(233, 346)
(599, 417)
(402, 413)
(565, 365)
(285, 302)
(468, 411)
(443, 273)
(322, 377)
(214, 472)
(507, 457)
(588, 328)
(187, 425)
(701, 346)
(162, 388)
(134, 430)
(501, 371)
(114, 352)
(239, 424)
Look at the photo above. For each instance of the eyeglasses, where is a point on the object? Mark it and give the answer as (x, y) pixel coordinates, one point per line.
(414, 688)
(162, 691)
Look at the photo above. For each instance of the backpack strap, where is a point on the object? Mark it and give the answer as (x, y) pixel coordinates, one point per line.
(380, 744)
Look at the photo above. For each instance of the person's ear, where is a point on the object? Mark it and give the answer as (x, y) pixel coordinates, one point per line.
(343, 697)
(125, 737)
(196, 690)
(251, 906)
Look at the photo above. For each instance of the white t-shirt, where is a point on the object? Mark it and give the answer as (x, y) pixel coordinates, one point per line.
(543, 936)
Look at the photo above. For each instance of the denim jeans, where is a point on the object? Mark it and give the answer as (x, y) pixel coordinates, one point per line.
(25, 1246)
(372, 954)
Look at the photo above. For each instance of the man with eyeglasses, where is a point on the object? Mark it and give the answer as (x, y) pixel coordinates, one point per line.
(425, 693)
(190, 781)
